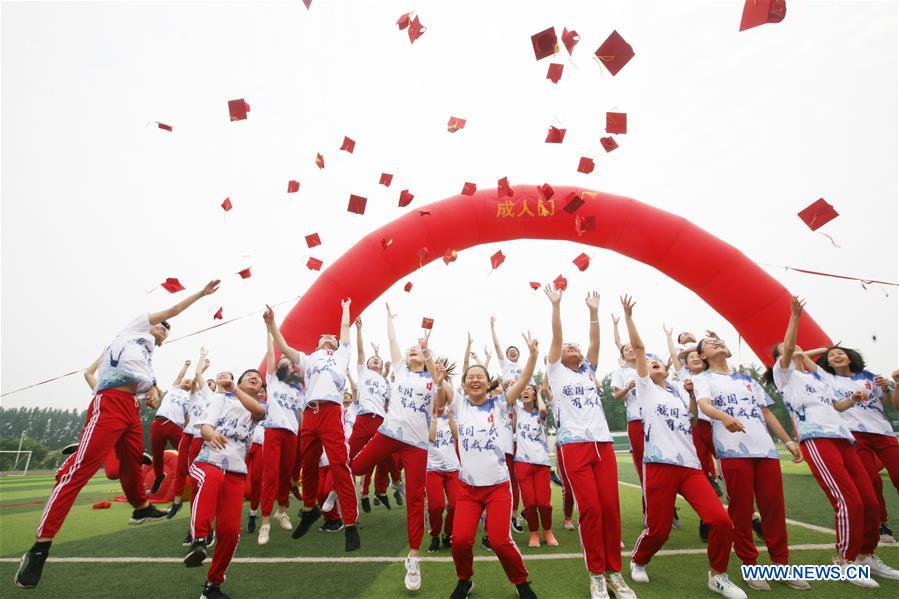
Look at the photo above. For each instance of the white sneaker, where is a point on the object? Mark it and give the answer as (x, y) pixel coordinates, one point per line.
(863, 583)
(615, 583)
(283, 520)
(797, 584)
(721, 584)
(598, 587)
(638, 573)
(758, 585)
(413, 574)
(878, 568)
(569, 525)
(328, 505)
(262, 538)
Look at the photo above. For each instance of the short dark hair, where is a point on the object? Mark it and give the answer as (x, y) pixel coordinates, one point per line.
(166, 324)
(856, 361)
(621, 349)
(681, 335)
(248, 371)
(510, 348)
(699, 353)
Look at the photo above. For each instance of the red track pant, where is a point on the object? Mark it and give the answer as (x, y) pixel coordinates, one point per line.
(497, 501)
(592, 472)
(415, 461)
(872, 447)
(635, 436)
(325, 486)
(323, 429)
(364, 429)
(220, 498)
(113, 422)
(533, 481)
(705, 449)
(162, 431)
(279, 453)
(255, 465)
(839, 471)
(757, 479)
(185, 459)
(513, 480)
(443, 490)
(661, 484)
(567, 497)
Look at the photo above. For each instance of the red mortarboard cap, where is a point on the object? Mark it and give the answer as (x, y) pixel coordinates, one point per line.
(163, 126)
(554, 73)
(497, 259)
(555, 135)
(386, 243)
(238, 109)
(319, 161)
(614, 53)
(582, 262)
(226, 205)
(450, 256)
(582, 224)
(454, 124)
(427, 323)
(423, 254)
(357, 204)
(570, 39)
(572, 202)
(314, 264)
(546, 191)
(218, 314)
(468, 189)
(545, 43)
(560, 282)
(818, 214)
(616, 122)
(404, 20)
(415, 30)
(293, 186)
(101, 505)
(503, 189)
(608, 143)
(348, 145)
(386, 179)
(245, 273)
(405, 198)
(586, 165)
(759, 12)
(407, 287)
(308, 3)
(313, 240)
(172, 285)
(535, 285)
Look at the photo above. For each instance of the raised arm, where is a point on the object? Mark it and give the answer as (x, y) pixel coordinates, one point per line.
(269, 317)
(592, 302)
(430, 364)
(360, 346)
(672, 348)
(796, 306)
(395, 354)
(181, 373)
(157, 317)
(615, 334)
(627, 303)
(555, 346)
(496, 345)
(526, 373)
(90, 375)
(202, 365)
(246, 400)
(354, 388)
(345, 320)
(270, 363)
(467, 355)
(487, 356)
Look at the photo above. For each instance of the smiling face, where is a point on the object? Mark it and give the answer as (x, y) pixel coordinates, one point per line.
(713, 348)
(837, 358)
(658, 371)
(328, 342)
(160, 333)
(375, 363)
(529, 397)
(211, 384)
(262, 394)
(694, 362)
(250, 382)
(414, 359)
(475, 382)
(627, 352)
(512, 353)
(571, 355)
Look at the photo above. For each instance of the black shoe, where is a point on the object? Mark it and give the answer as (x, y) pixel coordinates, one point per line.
(188, 540)
(398, 497)
(307, 519)
(213, 591)
(675, 522)
(251, 523)
(156, 484)
(30, 569)
(716, 486)
(173, 509)
(146, 514)
(525, 591)
(70, 449)
(146, 459)
(352, 539)
(554, 478)
(703, 532)
(435, 545)
(485, 541)
(366, 505)
(375, 500)
(210, 540)
(516, 526)
(447, 542)
(463, 589)
(383, 500)
(197, 554)
(757, 528)
(331, 526)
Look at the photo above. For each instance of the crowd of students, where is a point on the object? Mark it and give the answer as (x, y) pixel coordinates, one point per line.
(473, 450)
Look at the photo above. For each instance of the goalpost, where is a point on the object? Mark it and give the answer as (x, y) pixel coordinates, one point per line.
(19, 465)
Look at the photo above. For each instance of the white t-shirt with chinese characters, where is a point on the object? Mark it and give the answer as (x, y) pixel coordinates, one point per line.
(531, 446)
(511, 370)
(581, 418)
(325, 373)
(259, 435)
(621, 378)
(199, 401)
(481, 459)
(442, 451)
(737, 395)
(506, 431)
(284, 404)
(809, 400)
(683, 375)
(374, 391)
(412, 397)
(174, 406)
(667, 429)
(227, 416)
(129, 358)
(866, 416)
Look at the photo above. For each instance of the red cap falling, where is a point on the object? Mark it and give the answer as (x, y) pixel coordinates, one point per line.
(616, 122)
(608, 143)
(245, 273)
(560, 283)
(582, 262)
(407, 287)
(572, 202)
(238, 109)
(293, 186)
(450, 256)
(554, 73)
(614, 53)
(163, 126)
(818, 214)
(454, 124)
(348, 145)
(226, 205)
(570, 39)
(582, 224)
(535, 285)
(468, 189)
(313, 240)
(172, 285)
(497, 259)
(586, 165)
(545, 43)
(357, 204)
(404, 21)
(386, 179)
(427, 323)
(319, 161)
(416, 29)
(555, 135)
(405, 198)
(759, 12)
(314, 264)
(546, 191)
(503, 189)
(217, 315)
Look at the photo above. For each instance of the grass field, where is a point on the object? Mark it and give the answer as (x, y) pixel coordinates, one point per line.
(144, 561)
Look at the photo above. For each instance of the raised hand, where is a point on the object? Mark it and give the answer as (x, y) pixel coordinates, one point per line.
(492, 321)
(375, 347)
(487, 353)
(615, 319)
(211, 287)
(668, 331)
(592, 300)
(531, 342)
(628, 303)
(268, 315)
(554, 295)
(346, 303)
(186, 363)
(469, 339)
(423, 341)
(358, 322)
(228, 385)
(390, 315)
(796, 305)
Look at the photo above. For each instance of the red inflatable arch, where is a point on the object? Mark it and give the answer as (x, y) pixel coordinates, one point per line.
(749, 298)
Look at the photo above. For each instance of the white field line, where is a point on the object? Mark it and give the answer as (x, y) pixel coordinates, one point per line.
(360, 560)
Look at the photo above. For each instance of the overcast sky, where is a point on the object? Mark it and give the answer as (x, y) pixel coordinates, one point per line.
(736, 131)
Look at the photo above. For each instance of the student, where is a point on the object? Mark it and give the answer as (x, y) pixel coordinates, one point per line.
(168, 424)
(443, 474)
(327, 496)
(226, 428)
(671, 467)
(484, 477)
(567, 498)
(255, 466)
(532, 465)
(113, 421)
(586, 445)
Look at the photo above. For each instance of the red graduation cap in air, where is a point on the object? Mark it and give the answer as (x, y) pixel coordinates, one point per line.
(293, 186)
(450, 256)
(407, 287)
(572, 202)
(555, 135)
(245, 273)
(614, 53)
(454, 124)
(608, 143)
(570, 39)
(348, 145)
(405, 198)
(427, 323)
(818, 214)
(535, 285)
(357, 204)
(172, 285)
(415, 30)
(163, 126)
(314, 264)
(313, 240)
(560, 283)
(545, 43)
(226, 205)
(503, 189)
(468, 189)
(386, 179)
(586, 165)
(404, 21)
(423, 254)
(319, 161)
(582, 224)
(759, 12)
(218, 314)
(497, 259)
(616, 122)
(546, 191)
(582, 262)
(554, 72)
(238, 109)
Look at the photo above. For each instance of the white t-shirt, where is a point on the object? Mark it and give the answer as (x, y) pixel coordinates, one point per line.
(739, 396)
(174, 405)
(866, 416)
(199, 401)
(667, 429)
(325, 373)
(506, 431)
(411, 404)
(349, 419)
(683, 375)
(581, 416)
(511, 370)
(482, 461)
(621, 378)
(284, 405)
(531, 446)
(442, 451)
(129, 358)
(259, 435)
(227, 416)
(809, 399)
(374, 391)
